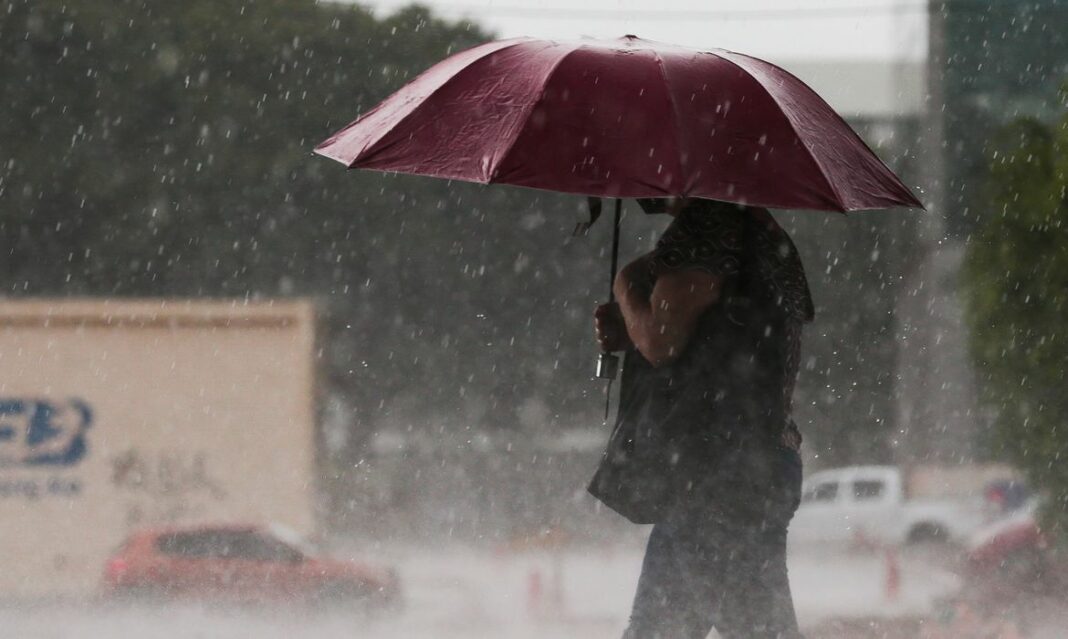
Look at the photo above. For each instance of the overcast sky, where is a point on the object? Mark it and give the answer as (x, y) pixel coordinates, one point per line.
(774, 29)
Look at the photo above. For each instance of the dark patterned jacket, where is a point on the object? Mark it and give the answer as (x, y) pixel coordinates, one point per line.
(719, 412)
(721, 239)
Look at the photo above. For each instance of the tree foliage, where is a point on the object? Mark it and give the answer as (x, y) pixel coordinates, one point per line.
(1016, 274)
(999, 58)
(152, 148)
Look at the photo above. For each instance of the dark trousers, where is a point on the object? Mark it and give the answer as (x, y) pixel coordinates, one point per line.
(721, 565)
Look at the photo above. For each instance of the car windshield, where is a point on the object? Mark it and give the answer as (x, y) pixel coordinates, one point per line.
(294, 539)
(226, 544)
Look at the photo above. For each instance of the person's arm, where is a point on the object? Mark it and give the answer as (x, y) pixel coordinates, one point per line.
(661, 319)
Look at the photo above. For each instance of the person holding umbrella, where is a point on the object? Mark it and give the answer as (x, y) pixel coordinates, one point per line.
(711, 321)
(703, 444)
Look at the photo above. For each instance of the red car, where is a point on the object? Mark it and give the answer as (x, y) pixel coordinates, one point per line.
(239, 563)
(1000, 543)
(1010, 557)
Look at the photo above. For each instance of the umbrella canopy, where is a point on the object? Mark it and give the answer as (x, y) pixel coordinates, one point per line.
(622, 118)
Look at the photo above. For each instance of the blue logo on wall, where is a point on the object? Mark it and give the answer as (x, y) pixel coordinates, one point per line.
(43, 432)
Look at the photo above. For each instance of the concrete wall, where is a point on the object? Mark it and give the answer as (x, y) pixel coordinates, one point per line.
(119, 415)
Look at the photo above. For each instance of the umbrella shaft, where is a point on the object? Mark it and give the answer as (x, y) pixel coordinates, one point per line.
(608, 363)
(615, 251)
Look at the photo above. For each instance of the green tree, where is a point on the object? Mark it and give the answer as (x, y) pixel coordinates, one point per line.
(1016, 277)
(997, 62)
(152, 148)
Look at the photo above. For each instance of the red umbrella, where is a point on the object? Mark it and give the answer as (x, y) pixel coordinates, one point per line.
(622, 118)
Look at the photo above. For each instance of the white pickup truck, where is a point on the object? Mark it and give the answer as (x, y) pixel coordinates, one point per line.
(873, 504)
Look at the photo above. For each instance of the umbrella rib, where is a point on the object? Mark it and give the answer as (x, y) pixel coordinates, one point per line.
(789, 123)
(369, 149)
(900, 187)
(675, 120)
(526, 115)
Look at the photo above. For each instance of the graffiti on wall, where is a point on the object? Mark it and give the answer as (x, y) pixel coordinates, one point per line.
(165, 485)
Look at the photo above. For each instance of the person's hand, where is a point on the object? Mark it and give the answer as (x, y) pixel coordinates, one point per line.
(610, 327)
